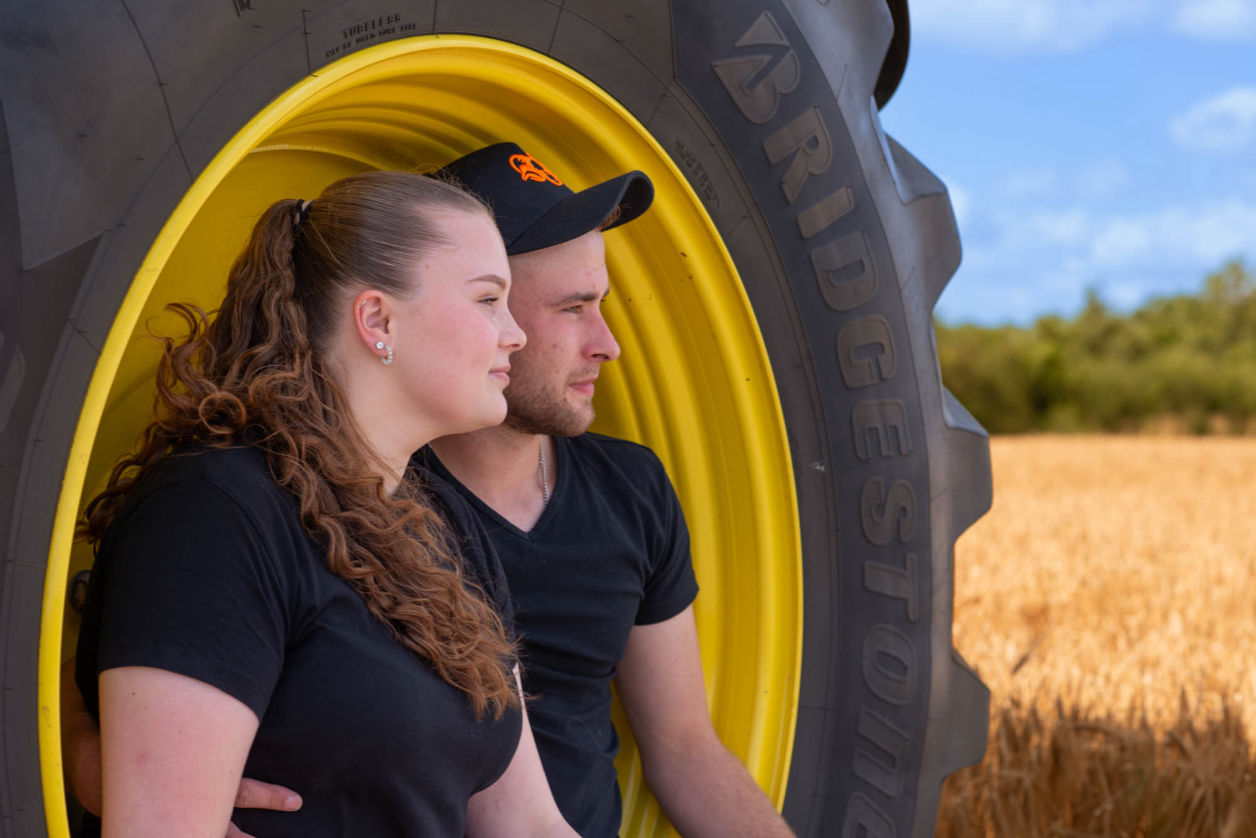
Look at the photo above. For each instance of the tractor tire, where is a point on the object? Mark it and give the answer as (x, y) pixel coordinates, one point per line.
(838, 242)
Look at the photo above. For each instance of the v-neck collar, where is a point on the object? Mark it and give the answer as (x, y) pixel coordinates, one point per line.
(556, 495)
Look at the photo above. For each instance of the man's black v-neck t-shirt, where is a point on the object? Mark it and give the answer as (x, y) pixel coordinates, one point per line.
(610, 551)
(208, 572)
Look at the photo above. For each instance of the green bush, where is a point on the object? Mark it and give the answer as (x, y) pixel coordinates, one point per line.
(1186, 361)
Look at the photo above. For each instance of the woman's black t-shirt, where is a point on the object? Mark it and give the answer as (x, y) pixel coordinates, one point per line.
(208, 572)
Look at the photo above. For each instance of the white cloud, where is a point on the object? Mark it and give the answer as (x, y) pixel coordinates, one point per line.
(1026, 262)
(1210, 233)
(1039, 26)
(1103, 180)
(1175, 237)
(1217, 20)
(1096, 181)
(1031, 183)
(1012, 26)
(1225, 122)
(1067, 227)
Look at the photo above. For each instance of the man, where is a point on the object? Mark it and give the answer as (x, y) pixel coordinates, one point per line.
(588, 529)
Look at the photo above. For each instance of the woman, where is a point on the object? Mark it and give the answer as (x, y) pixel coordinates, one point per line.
(273, 593)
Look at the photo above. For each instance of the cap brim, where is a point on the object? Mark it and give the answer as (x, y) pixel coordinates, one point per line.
(572, 217)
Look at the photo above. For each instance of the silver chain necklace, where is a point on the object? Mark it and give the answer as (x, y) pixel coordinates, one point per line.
(540, 473)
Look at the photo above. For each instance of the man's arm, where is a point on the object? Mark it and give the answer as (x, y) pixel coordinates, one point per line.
(702, 787)
(80, 749)
(80, 743)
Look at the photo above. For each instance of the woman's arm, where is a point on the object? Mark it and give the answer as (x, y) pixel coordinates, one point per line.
(173, 752)
(520, 804)
(80, 749)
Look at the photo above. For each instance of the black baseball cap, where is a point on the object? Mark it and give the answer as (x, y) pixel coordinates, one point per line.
(533, 207)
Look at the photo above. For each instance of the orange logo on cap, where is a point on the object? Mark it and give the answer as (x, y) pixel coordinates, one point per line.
(531, 170)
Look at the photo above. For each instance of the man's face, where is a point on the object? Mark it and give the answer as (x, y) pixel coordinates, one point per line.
(557, 300)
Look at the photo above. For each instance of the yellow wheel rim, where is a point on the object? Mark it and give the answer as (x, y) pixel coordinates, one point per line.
(694, 382)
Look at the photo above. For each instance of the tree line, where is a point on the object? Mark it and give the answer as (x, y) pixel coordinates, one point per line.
(1182, 363)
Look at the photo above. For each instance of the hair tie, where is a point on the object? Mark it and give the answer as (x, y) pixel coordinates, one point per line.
(303, 211)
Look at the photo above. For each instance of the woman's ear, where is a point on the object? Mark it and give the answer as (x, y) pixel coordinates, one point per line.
(371, 317)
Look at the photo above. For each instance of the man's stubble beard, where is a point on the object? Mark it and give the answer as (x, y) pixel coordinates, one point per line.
(531, 410)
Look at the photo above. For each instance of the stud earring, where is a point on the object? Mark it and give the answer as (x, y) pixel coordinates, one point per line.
(379, 344)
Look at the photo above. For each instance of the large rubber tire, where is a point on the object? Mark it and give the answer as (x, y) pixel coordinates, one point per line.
(842, 242)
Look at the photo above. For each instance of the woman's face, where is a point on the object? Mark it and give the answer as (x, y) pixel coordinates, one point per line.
(454, 335)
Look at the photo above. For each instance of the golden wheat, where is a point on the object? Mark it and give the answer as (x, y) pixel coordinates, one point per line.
(1109, 601)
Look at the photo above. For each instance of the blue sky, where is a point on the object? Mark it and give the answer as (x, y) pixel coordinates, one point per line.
(1105, 144)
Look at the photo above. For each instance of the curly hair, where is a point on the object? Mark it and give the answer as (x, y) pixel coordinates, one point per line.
(258, 374)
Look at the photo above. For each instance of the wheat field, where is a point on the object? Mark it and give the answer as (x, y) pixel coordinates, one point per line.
(1108, 599)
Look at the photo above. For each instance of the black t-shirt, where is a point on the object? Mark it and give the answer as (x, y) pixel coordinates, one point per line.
(610, 551)
(208, 572)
